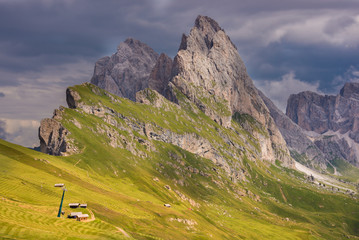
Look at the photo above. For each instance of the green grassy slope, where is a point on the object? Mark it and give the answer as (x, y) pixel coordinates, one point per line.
(126, 190)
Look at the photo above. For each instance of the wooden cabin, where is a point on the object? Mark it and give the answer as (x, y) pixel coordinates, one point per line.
(74, 205)
(82, 217)
(74, 214)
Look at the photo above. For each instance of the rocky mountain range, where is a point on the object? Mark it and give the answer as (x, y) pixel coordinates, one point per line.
(207, 70)
(128, 70)
(298, 142)
(210, 74)
(183, 148)
(331, 121)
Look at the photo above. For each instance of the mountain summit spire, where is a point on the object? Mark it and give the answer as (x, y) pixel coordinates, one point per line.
(210, 72)
(205, 23)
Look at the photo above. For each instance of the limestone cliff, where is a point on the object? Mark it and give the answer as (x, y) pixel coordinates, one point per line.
(54, 136)
(302, 148)
(127, 71)
(161, 74)
(209, 71)
(330, 115)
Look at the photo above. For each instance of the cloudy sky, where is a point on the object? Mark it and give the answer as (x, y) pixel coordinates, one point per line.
(46, 45)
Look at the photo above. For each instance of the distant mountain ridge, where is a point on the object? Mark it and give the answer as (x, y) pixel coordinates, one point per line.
(207, 70)
(197, 155)
(297, 140)
(127, 71)
(336, 117)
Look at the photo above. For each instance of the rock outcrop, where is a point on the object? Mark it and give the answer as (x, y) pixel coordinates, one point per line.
(209, 71)
(296, 138)
(330, 115)
(54, 136)
(318, 113)
(127, 71)
(161, 74)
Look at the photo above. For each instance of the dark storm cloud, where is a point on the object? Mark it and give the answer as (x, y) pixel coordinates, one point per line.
(339, 24)
(37, 33)
(2, 130)
(47, 45)
(311, 63)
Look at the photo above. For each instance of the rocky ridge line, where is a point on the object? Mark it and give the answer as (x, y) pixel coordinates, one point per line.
(330, 115)
(209, 71)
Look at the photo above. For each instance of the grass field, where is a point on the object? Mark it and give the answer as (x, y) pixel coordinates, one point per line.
(128, 191)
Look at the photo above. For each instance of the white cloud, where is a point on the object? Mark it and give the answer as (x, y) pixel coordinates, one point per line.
(350, 75)
(39, 93)
(335, 27)
(279, 91)
(22, 132)
(36, 97)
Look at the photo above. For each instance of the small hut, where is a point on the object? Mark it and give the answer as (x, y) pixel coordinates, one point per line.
(74, 205)
(167, 205)
(82, 217)
(84, 205)
(59, 185)
(74, 214)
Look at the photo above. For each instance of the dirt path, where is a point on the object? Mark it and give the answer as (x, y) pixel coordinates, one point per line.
(281, 191)
(77, 162)
(318, 176)
(91, 215)
(122, 231)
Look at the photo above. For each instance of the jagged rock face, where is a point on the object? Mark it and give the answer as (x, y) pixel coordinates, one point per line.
(208, 67)
(210, 72)
(207, 70)
(336, 147)
(53, 136)
(314, 112)
(330, 115)
(295, 137)
(310, 110)
(161, 74)
(72, 98)
(127, 71)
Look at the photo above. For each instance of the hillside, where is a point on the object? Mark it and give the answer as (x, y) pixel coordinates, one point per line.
(126, 177)
(197, 155)
(321, 152)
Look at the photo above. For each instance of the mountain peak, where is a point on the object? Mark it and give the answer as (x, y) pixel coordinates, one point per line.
(205, 23)
(202, 34)
(127, 71)
(209, 72)
(350, 89)
(329, 113)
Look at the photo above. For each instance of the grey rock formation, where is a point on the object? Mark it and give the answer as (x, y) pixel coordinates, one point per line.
(318, 113)
(72, 98)
(336, 147)
(311, 111)
(209, 71)
(127, 71)
(161, 74)
(330, 115)
(296, 138)
(53, 136)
